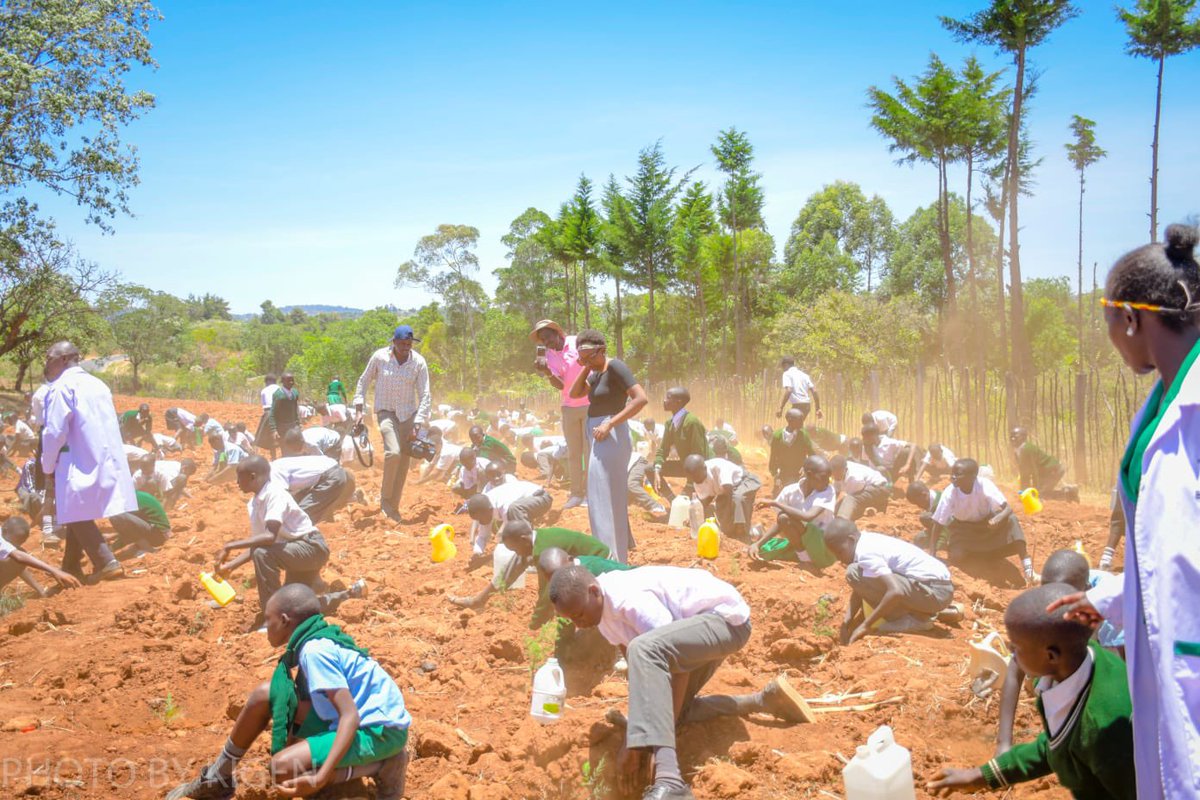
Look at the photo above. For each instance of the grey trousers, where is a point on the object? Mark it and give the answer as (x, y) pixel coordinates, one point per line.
(695, 646)
(637, 487)
(132, 528)
(302, 559)
(923, 598)
(395, 460)
(737, 508)
(331, 491)
(574, 428)
(530, 509)
(608, 489)
(853, 506)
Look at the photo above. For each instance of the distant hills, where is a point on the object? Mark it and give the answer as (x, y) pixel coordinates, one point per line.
(313, 310)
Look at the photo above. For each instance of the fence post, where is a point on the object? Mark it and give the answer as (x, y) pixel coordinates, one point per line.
(1081, 470)
(920, 411)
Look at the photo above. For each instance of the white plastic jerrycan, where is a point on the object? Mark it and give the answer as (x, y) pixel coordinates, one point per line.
(549, 693)
(501, 558)
(880, 770)
(679, 512)
(695, 516)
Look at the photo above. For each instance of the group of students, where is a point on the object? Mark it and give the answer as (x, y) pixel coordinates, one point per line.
(335, 715)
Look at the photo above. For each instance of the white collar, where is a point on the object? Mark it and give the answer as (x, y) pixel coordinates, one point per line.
(1060, 700)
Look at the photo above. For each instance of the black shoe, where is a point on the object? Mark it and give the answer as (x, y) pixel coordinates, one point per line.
(658, 792)
(391, 512)
(202, 787)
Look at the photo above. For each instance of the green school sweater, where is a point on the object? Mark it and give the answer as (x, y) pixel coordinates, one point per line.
(1093, 754)
(152, 511)
(493, 449)
(789, 458)
(690, 437)
(576, 545)
(1033, 462)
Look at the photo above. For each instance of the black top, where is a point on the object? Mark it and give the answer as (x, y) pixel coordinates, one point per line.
(607, 389)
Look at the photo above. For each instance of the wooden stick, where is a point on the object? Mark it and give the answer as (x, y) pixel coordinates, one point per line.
(829, 699)
(860, 707)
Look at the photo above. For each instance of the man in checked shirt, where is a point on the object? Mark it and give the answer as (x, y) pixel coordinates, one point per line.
(402, 404)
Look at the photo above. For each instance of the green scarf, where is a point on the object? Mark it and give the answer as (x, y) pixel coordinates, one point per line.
(284, 697)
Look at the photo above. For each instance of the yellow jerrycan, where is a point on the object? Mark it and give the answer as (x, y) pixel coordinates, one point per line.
(441, 539)
(218, 587)
(708, 539)
(1030, 501)
(990, 660)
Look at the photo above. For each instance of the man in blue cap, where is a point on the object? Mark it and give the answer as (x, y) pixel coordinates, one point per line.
(402, 404)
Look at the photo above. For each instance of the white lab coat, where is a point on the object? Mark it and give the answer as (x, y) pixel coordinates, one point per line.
(91, 477)
(1155, 600)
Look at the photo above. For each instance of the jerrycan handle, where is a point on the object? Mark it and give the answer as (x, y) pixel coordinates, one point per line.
(881, 739)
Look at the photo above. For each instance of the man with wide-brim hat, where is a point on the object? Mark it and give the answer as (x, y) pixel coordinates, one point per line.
(560, 363)
(402, 404)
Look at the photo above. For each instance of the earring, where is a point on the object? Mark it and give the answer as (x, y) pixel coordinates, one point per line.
(1129, 331)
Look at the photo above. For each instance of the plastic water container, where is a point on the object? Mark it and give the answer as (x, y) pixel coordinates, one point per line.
(989, 654)
(695, 516)
(441, 541)
(880, 770)
(549, 693)
(708, 539)
(680, 507)
(1030, 501)
(219, 588)
(501, 558)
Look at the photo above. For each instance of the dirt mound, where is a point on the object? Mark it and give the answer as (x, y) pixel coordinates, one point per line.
(122, 689)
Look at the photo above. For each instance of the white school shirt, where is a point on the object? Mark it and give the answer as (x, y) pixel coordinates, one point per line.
(448, 457)
(888, 448)
(6, 547)
(444, 409)
(505, 494)
(446, 426)
(800, 385)
(720, 472)
(859, 477)
(1059, 698)
(639, 600)
(793, 495)
(298, 473)
(337, 413)
(886, 421)
(81, 445)
(948, 458)
(879, 555)
(469, 478)
(163, 477)
(557, 445)
(266, 396)
(212, 427)
(402, 389)
(232, 453)
(1154, 600)
(983, 503)
(274, 503)
(37, 405)
(321, 439)
(21, 428)
(186, 418)
(163, 441)
(244, 440)
(132, 451)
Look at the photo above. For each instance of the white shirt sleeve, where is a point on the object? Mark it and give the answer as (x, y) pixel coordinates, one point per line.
(945, 508)
(996, 498)
(365, 379)
(645, 612)
(1108, 596)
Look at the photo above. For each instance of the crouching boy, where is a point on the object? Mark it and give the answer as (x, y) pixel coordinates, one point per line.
(337, 717)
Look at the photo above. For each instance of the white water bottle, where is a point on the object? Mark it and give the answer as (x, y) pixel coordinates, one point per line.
(549, 693)
(880, 770)
(47, 525)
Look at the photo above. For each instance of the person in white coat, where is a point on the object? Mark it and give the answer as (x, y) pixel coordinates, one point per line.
(83, 458)
(1152, 306)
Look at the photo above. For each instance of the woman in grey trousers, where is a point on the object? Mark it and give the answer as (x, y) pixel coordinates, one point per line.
(614, 397)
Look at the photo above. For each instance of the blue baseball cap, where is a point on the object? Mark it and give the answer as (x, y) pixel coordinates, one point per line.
(404, 332)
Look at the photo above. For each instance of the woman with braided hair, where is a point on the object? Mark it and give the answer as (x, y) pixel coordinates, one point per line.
(1152, 307)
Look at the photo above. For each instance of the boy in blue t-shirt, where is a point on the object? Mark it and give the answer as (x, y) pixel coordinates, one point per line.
(337, 717)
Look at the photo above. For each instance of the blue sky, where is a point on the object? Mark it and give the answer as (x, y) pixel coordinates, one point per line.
(299, 150)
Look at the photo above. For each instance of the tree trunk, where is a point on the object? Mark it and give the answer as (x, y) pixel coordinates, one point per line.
(567, 299)
(137, 383)
(738, 352)
(944, 234)
(1020, 346)
(1162, 60)
(587, 306)
(700, 310)
(620, 322)
(974, 276)
(1079, 366)
(651, 342)
(22, 368)
(1000, 273)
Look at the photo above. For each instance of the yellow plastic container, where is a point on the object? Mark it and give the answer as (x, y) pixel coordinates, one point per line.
(1030, 501)
(219, 588)
(1078, 548)
(441, 539)
(655, 496)
(708, 539)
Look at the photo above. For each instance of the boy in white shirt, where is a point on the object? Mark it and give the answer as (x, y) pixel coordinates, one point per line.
(884, 420)
(805, 508)
(905, 586)
(444, 462)
(282, 537)
(727, 489)
(862, 488)
(895, 458)
(979, 520)
(166, 480)
(470, 474)
(936, 463)
(676, 626)
(516, 500)
(226, 457)
(322, 442)
(319, 484)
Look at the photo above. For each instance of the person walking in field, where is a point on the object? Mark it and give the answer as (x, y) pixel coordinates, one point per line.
(336, 393)
(83, 458)
(561, 366)
(402, 404)
(798, 390)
